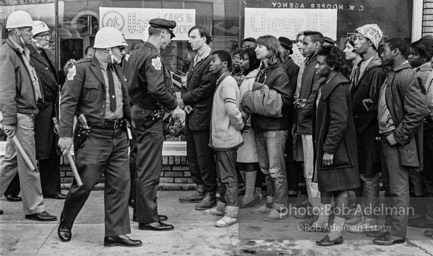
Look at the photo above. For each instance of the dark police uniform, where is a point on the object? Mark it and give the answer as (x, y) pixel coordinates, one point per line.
(150, 87)
(106, 147)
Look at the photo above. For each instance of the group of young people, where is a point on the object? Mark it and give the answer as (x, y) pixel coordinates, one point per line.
(359, 111)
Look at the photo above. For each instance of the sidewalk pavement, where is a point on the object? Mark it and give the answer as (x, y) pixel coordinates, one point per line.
(194, 234)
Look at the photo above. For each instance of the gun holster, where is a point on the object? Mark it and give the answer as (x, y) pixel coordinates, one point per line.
(80, 135)
(153, 118)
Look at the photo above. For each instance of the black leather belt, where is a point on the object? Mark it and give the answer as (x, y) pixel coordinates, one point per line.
(112, 124)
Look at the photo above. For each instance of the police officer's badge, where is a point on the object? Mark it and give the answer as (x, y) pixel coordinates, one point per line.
(156, 63)
(71, 73)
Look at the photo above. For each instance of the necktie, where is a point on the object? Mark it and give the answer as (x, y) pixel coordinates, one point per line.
(111, 89)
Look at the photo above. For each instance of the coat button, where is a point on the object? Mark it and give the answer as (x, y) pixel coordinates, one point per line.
(406, 137)
(102, 114)
(46, 68)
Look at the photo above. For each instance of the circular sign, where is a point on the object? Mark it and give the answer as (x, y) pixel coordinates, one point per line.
(113, 19)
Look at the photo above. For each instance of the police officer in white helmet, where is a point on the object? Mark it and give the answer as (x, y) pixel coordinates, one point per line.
(95, 91)
(20, 93)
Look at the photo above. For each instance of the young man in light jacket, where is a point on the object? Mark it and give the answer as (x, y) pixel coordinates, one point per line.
(226, 138)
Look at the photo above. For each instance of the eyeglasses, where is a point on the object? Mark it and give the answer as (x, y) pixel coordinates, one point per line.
(46, 36)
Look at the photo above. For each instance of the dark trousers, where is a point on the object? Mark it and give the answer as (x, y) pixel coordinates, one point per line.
(227, 176)
(396, 182)
(428, 173)
(149, 165)
(104, 152)
(132, 166)
(201, 159)
(293, 168)
(50, 175)
(14, 187)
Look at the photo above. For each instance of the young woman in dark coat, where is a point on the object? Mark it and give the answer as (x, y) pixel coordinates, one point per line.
(336, 163)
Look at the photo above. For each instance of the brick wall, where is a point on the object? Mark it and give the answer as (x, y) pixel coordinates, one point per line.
(175, 174)
(427, 19)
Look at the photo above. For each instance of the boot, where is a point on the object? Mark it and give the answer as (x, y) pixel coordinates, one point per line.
(208, 202)
(196, 197)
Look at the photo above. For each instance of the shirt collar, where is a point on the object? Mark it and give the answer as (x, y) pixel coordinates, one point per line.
(204, 55)
(22, 50)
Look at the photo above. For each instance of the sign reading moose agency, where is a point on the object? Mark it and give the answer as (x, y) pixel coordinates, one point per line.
(134, 22)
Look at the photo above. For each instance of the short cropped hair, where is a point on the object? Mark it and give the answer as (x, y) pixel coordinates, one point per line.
(203, 31)
(316, 36)
(400, 44)
(334, 56)
(224, 56)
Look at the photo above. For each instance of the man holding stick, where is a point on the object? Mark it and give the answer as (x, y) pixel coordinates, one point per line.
(20, 93)
(95, 91)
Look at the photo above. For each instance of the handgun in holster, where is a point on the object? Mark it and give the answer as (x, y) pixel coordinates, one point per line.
(80, 135)
(154, 117)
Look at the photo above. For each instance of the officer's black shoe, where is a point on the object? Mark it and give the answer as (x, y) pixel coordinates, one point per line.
(155, 226)
(1, 211)
(64, 231)
(121, 240)
(42, 216)
(13, 198)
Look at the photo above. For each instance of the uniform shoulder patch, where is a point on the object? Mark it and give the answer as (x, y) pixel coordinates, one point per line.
(156, 63)
(71, 73)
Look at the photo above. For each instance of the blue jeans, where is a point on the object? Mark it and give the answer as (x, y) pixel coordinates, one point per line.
(270, 151)
(396, 182)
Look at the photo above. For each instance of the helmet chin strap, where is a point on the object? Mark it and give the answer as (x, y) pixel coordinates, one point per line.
(114, 59)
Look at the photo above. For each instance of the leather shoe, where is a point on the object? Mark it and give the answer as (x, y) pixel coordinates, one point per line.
(1, 211)
(326, 241)
(13, 198)
(42, 216)
(121, 241)
(64, 231)
(155, 226)
(388, 239)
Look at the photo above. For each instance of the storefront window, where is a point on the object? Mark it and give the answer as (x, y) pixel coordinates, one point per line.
(78, 21)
